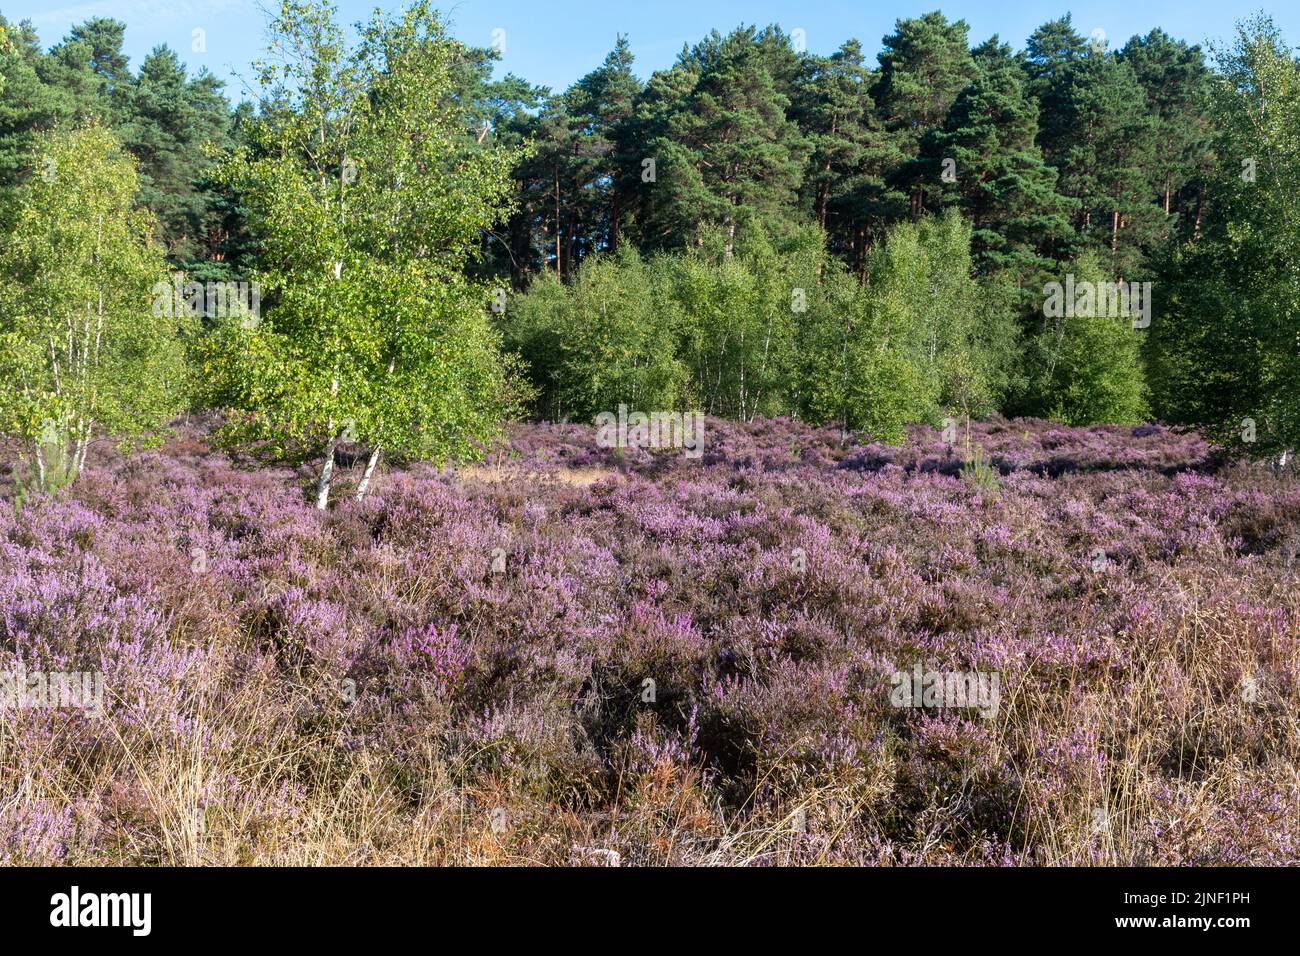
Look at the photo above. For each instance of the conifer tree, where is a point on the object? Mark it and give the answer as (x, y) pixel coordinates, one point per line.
(925, 63)
(727, 155)
(985, 160)
(844, 180)
(1177, 86)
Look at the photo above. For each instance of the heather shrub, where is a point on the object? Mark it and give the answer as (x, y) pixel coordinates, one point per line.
(679, 661)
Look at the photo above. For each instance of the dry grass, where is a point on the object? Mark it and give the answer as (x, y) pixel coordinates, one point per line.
(509, 474)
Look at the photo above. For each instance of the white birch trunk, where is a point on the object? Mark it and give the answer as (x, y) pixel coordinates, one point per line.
(326, 474)
(364, 486)
(40, 465)
(78, 455)
(85, 447)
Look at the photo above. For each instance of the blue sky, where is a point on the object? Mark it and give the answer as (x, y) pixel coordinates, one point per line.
(553, 42)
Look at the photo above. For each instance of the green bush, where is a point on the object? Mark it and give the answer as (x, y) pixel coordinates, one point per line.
(779, 327)
(1088, 368)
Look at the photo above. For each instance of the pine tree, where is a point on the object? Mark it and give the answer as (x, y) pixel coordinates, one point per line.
(1177, 85)
(833, 107)
(1096, 131)
(173, 119)
(601, 103)
(1051, 52)
(727, 155)
(925, 63)
(502, 113)
(985, 160)
(41, 93)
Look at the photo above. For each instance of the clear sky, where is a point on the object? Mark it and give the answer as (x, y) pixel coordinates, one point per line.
(553, 42)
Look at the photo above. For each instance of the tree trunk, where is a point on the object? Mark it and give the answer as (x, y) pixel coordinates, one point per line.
(40, 465)
(615, 214)
(558, 274)
(364, 486)
(326, 473)
(83, 446)
(78, 452)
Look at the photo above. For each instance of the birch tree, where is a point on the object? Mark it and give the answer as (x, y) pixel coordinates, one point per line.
(370, 197)
(82, 356)
(1226, 354)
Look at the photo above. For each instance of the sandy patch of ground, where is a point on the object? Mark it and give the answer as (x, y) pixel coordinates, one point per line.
(577, 477)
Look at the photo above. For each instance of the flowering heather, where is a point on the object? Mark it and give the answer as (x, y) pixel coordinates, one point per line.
(572, 655)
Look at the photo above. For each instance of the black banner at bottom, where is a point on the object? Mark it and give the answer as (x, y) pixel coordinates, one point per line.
(338, 906)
